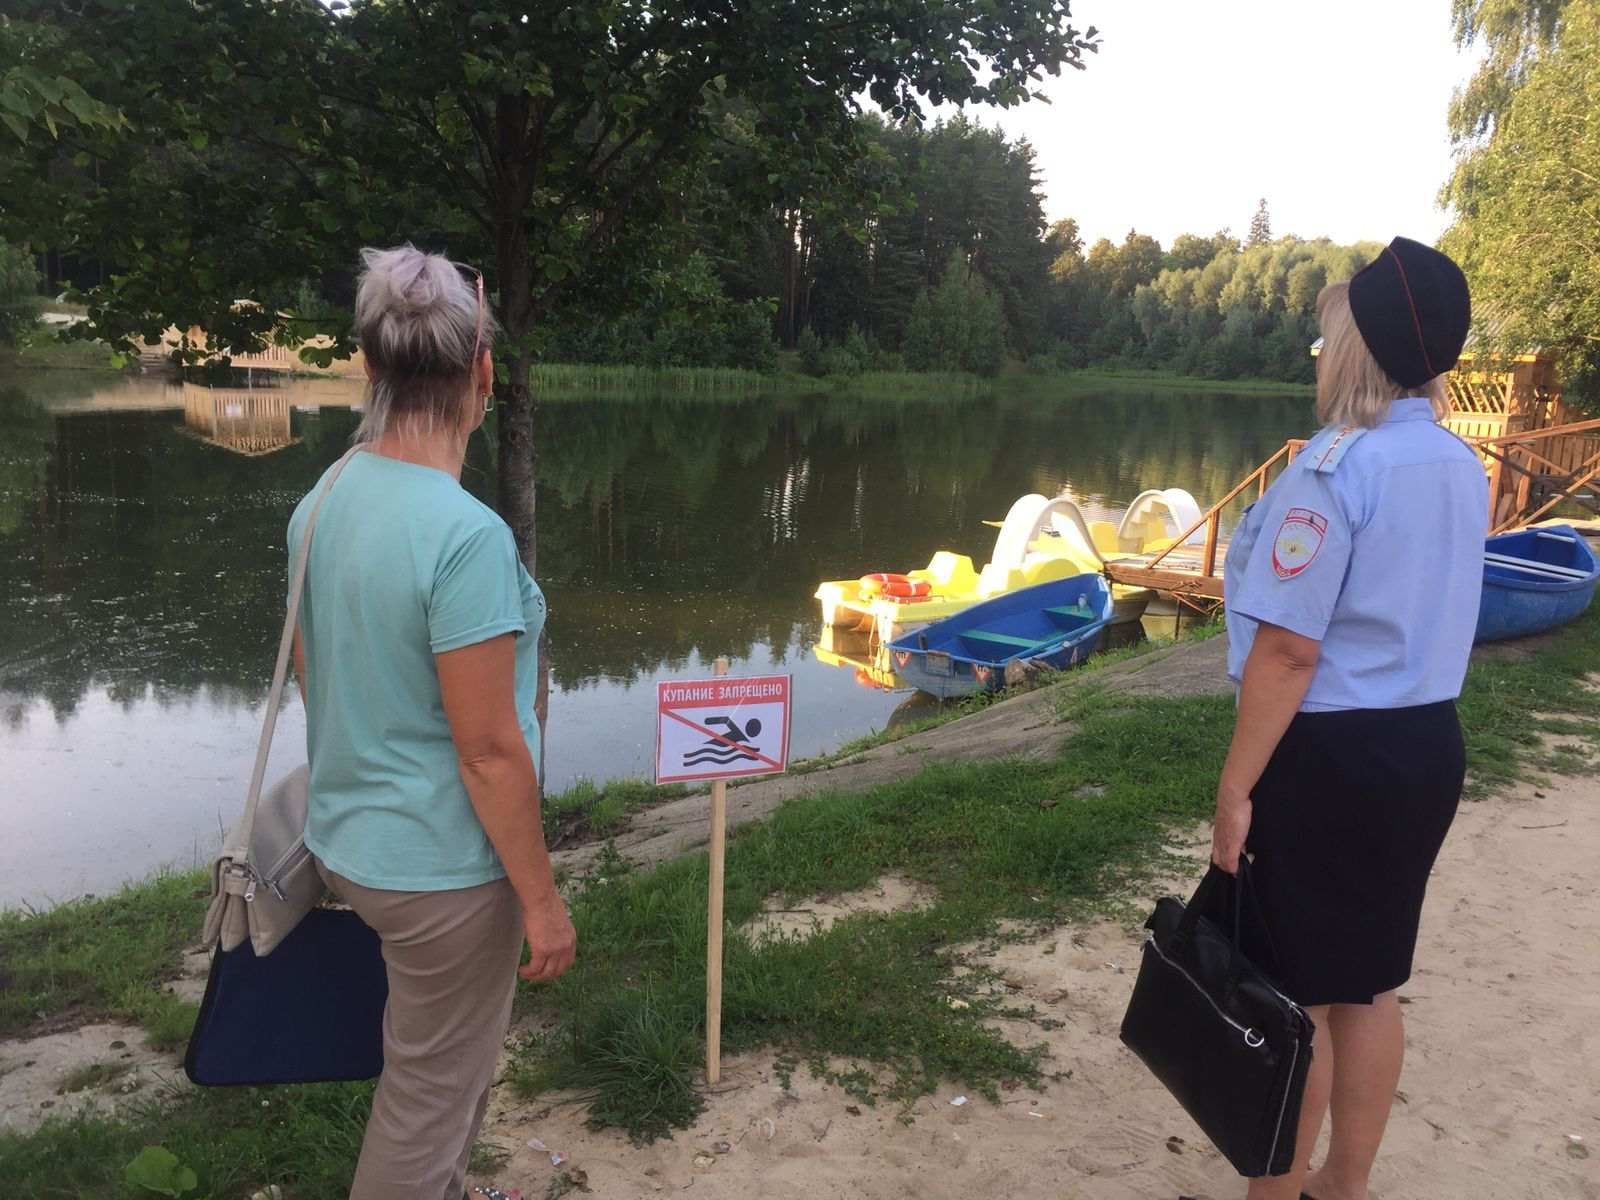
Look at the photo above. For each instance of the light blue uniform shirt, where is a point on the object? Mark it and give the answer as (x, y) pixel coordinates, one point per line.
(1370, 542)
(405, 564)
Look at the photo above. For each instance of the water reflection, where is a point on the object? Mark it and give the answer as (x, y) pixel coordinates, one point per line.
(245, 420)
(143, 566)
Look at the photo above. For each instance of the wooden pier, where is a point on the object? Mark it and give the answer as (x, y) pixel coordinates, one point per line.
(1538, 453)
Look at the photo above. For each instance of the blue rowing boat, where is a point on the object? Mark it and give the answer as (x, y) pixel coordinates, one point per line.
(1534, 580)
(1053, 625)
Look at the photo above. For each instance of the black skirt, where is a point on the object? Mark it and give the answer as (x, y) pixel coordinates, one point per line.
(1348, 818)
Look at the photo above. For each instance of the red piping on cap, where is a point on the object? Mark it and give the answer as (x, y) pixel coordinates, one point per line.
(1416, 321)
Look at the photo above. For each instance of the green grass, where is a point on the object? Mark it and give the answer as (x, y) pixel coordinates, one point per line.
(1112, 378)
(43, 349)
(1518, 694)
(587, 811)
(1038, 842)
(955, 710)
(579, 379)
(907, 385)
(238, 1140)
(871, 988)
(102, 958)
(562, 380)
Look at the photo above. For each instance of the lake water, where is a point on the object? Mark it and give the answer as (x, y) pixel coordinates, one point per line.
(142, 569)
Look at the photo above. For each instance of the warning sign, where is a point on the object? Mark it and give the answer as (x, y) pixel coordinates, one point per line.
(722, 728)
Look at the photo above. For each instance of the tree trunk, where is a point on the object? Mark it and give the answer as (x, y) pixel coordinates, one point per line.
(519, 457)
(518, 467)
(518, 474)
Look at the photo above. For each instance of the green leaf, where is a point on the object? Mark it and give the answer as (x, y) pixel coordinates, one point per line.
(157, 1170)
(16, 124)
(14, 99)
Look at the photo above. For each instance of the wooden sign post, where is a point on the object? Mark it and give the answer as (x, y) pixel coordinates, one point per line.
(719, 855)
(716, 730)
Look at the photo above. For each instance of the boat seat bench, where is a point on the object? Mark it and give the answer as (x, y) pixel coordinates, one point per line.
(1533, 565)
(1070, 610)
(1003, 639)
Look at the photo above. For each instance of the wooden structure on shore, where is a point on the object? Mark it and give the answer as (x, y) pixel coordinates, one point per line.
(1537, 452)
(274, 359)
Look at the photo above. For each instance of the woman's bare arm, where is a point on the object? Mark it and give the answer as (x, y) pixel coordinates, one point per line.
(477, 684)
(1276, 676)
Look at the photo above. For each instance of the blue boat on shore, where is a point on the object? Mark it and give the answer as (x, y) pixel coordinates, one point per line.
(1534, 580)
(1053, 626)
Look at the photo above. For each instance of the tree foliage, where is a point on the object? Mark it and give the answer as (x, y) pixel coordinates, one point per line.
(1206, 307)
(1260, 226)
(19, 284)
(34, 94)
(552, 142)
(1528, 207)
(1514, 35)
(959, 326)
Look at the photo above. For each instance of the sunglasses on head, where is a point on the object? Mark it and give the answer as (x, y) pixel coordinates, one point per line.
(473, 276)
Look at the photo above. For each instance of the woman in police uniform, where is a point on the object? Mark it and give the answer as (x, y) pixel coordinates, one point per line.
(1352, 592)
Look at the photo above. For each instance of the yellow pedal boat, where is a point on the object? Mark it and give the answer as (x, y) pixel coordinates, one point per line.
(1040, 540)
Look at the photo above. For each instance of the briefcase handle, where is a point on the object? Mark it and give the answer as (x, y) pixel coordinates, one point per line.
(1227, 911)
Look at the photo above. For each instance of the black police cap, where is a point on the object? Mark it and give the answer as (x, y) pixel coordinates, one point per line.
(1413, 309)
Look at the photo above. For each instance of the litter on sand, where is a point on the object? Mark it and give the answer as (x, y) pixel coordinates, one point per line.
(958, 1101)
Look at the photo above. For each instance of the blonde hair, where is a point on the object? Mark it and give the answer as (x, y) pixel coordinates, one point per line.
(415, 320)
(1352, 389)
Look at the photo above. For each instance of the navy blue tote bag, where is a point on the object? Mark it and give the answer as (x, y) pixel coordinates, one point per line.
(309, 1012)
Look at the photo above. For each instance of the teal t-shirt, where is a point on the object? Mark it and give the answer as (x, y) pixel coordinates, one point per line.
(405, 564)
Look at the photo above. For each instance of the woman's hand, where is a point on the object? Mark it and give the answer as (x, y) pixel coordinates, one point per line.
(1231, 827)
(552, 941)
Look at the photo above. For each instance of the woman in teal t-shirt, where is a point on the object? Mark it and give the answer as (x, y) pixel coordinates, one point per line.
(418, 658)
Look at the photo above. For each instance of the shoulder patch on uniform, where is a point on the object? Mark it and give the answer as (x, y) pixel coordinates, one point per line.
(1326, 458)
(1298, 540)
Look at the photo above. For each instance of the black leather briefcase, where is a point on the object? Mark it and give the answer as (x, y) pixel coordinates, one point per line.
(1231, 1048)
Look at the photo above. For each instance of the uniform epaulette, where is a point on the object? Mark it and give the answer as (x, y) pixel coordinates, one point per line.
(1328, 452)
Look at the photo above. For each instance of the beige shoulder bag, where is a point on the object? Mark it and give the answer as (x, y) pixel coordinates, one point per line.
(263, 881)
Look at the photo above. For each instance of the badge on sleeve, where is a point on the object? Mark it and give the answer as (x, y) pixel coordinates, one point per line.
(1298, 540)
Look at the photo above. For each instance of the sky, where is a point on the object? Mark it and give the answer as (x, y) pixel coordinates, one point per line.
(1193, 111)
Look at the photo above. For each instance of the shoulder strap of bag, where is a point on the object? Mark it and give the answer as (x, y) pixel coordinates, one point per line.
(281, 671)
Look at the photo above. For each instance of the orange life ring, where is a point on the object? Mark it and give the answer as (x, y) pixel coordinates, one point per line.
(896, 587)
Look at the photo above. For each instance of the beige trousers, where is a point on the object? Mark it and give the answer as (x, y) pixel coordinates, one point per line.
(452, 960)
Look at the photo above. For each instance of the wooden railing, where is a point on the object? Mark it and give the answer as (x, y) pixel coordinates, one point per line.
(1525, 484)
(1212, 518)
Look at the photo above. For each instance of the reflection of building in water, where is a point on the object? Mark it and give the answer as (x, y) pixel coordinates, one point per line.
(154, 394)
(244, 420)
